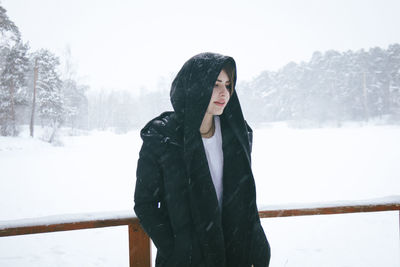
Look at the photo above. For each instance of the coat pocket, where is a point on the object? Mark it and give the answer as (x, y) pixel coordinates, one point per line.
(181, 254)
(197, 259)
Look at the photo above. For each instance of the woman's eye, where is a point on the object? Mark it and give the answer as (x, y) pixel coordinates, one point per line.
(216, 85)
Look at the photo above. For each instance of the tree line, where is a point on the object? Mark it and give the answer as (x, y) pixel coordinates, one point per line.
(331, 87)
(34, 92)
(31, 87)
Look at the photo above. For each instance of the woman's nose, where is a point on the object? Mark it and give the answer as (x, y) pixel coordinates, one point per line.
(223, 90)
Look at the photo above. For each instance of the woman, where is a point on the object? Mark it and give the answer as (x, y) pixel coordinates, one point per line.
(195, 192)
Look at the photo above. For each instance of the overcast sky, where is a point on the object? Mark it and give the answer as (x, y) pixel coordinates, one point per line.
(126, 44)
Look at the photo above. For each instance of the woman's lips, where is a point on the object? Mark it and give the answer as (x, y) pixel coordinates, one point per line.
(221, 104)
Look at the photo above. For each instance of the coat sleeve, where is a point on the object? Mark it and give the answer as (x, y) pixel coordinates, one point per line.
(260, 251)
(249, 135)
(149, 202)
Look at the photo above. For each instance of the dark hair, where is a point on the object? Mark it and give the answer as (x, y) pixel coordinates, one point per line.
(231, 71)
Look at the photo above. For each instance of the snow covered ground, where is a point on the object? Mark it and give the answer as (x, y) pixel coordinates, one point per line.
(96, 173)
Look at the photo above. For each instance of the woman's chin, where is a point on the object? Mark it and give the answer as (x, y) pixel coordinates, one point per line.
(218, 112)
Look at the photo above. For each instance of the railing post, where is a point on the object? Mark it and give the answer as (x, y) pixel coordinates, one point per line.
(139, 246)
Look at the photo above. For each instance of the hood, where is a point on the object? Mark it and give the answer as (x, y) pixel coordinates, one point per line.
(192, 87)
(191, 92)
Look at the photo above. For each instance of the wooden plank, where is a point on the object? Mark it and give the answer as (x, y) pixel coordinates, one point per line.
(79, 225)
(327, 210)
(139, 247)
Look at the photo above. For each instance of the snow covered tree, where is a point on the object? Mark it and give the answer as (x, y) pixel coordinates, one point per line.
(292, 90)
(75, 103)
(394, 81)
(13, 67)
(9, 33)
(125, 112)
(49, 90)
(378, 83)
(331, 87)
(74, 94)
(13, 87)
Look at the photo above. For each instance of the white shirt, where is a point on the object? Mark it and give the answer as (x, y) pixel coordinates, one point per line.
(215, 158)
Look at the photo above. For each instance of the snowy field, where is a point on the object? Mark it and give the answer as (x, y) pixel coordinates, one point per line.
(96, 173)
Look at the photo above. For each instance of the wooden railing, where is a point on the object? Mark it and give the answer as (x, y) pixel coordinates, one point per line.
(139, 242)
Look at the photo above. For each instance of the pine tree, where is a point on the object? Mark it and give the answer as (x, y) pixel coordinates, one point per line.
(13, 87)
(75, 104)
(50, 99)
(9, 33)
(378, 89)
(394, 80)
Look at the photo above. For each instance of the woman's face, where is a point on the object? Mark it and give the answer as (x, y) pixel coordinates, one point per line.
(220, 95)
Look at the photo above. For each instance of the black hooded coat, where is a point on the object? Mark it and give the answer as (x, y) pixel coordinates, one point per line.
(175, 199)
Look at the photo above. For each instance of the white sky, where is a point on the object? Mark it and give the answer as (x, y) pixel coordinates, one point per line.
(126, 44)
